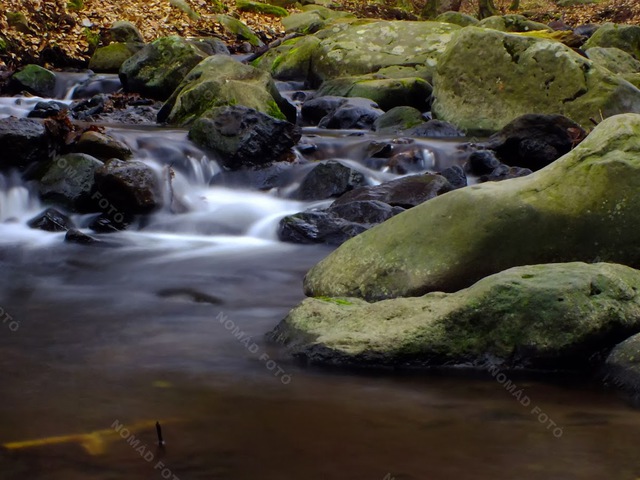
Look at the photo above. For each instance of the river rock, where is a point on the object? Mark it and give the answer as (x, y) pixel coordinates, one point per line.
(36, 80)
(157, 69)
(126, 188)
(543, 317)
(386, 92)
(125, 32)
(434, 129)
(534, 141)
(361, 49)
(455, 176)
(504, 172)
(483, 100)
(614, 59)
(314, 109)
(51, 220)
(624, 37)
(222, 81)
(398, 119)
(47, 109)
(512, 23)
(336, 224)
(354, 113)
(76, 236)
(110, 58)
(329, 179)
(23, 142)
(482, 162)
(582, 207)
(102, 146)
(242, 136)
(622, 367)
(69, 179)
(291, 60)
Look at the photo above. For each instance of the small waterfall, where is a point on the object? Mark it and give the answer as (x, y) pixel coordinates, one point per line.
(17, 201)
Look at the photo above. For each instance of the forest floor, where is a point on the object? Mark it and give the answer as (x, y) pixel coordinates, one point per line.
(61, 32)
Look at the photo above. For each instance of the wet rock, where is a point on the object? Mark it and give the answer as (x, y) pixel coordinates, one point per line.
(111, 57)
(490, 323)
(534, 141)
(110, 222)
(88, 108)
(405, 192)
(126, 188)
(469, 96)
(624, 37)
(51, 220)
(97, 85)
(504, 172)
(408, 161)
(69, 179)
(622, 367)
(157, 69)
(591, 192)
(315, 109)
(76, 236)
(455, 176)
(335, 225)
(512, 23)
(242, 136)
(398, 119)
(435, 129)
(386, 92)
(221, 81)
(355, 113)
(47, 109)
(36, 80)
(482, 162)
(24, 142)
(123, 31)
(260, 177)
(329, 179)
(102, 146)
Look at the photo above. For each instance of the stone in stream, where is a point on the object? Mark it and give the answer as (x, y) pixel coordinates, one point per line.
(76, 236)
(543, 317)
(68, 180)
(434, 129)
(622, 367)
(102, 146)
(504, 172)
(111, 57)
(291, 60)
(51, 220)
(24, 142)
(624, 37)
(329, 179)
(397, 120)
(582, 207)
(221, 81)
(354, 113)
(47, 109)
(242, 136)
(36, 80)
(126, 188)
(157, 69)
(534, 141)
(526, 75)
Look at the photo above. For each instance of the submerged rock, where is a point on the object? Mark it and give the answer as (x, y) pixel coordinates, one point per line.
(51, 220)
(526, 75)
(582, 207)
(157, 69)
(243, 137)
(550, 317)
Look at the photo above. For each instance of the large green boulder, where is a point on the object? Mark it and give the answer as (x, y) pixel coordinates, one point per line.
(583, 207)
(624, 37)
(361, 49)
(110, 58)
(291, 60)
(312, 19)
(36, 80)
(157, 69)
(553, 316)
(486, 78)
(222, 81)
(386, 92)
(513, 23)
(614, 59)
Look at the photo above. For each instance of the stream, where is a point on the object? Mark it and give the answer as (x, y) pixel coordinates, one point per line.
(166, 322)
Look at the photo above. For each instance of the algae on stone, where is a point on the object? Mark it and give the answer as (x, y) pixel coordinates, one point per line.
(582, 207)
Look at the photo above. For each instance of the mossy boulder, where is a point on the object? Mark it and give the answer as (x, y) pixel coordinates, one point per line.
(398, 119)
(614, 59)
(312, 19)
(222, 81)
(553, 316)
(109, 59)
(624, 37)
(258, 7)
(486, 78)
(291, 60)
(157, 69)
(457, 18)
(69, 179)
(512, 23)
(582, 207)
(239, 29)
(36, 80)
(361, 49)
(386, 92)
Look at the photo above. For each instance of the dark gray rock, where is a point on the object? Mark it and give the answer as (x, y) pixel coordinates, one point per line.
(24, 142)
(482, 162)
(504, 172)
(356, 113)
(102, 146)
(330, 179)
(455, 176)
(242, 136)
(435, 129)
(123, 31)
(69, 180)
(51, 220)
(315, 109)
(47, 109)
(76, 236)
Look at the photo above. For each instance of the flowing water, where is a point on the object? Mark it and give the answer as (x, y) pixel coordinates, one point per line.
(166, 322)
